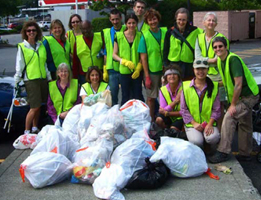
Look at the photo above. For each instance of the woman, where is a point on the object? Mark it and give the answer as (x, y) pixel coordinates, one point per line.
(200, 106)
(180, 42)
(204, 49)
(32, 69)
(126, 52)
(94, 83)
(169, 96)
(74, 26)
(63, 93)
(57, 47)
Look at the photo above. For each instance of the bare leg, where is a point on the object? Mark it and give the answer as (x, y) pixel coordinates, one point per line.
(30, 117)
(36, 118)
(160, 122)
(151, 104)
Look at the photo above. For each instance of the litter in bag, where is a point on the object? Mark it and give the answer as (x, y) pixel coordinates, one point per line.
(25, 141)
(71, 120)
(45, 168)
(152, 176)
(183, 158)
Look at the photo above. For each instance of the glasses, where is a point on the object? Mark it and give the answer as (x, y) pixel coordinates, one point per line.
(30, 30)
(65, 72)
(75, 22)
(218, 46)
(198, 62)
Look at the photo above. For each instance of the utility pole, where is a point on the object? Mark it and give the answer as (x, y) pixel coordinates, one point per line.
(76, 6)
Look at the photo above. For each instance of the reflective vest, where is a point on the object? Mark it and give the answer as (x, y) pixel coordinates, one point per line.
(193, 104)
(60, 54)
(88, 57)
(34, 62)
(144, 27)
(66, 102)
(71, 39)
(227, 81)
(179, 51)
(207, 51)
(110, 63)
(127, 52)
(155, 49)
(88, 89)
(167, 97)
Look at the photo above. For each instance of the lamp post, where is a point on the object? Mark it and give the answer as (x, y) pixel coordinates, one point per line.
(76, 6)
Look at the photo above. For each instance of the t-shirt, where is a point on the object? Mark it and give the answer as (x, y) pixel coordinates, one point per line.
(236, 70)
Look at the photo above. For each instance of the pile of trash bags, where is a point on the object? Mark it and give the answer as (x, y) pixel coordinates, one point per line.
(109, 148)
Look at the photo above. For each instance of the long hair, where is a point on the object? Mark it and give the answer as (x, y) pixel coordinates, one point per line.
(59, 23)
(210, 86)
(39, 34)
(88, 74)
(70, 20)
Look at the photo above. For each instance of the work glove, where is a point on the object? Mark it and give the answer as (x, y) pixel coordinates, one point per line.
(148, 82)
(105, 74)
(128, 64)
(17, 80)
(137, 71)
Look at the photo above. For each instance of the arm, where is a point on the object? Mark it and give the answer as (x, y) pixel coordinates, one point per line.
(83, 94)
(115, 52)
(20, 65)
(166, 48)
(144, 62)
(76, 63)
(198, 54)
(236, 95)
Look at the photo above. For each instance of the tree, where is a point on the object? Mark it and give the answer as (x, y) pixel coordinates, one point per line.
(239, 4)
(9, 7)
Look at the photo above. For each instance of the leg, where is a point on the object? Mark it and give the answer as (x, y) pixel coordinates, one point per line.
(162, 121)
(195, 136)
(36, 118)
(213, 138)
(151, 104)
(114, 86)
(125, 80)
(30, 117)
(137, 88)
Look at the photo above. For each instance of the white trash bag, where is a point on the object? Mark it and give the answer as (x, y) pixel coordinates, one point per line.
(183, 158)
(71, 120)
(86, 115)
(136, 116)
(130, 156)
(47, 129)
(26, 141)
(45, 168)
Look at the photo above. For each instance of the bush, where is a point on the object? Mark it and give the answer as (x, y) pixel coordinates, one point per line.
(98, 24)
(5, 32)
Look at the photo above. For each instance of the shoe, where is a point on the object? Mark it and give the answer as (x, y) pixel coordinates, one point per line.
(35, 130)
(243, 158)
(218, 157)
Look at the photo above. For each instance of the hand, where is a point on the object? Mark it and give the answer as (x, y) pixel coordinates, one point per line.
(128, 64)
(105, 74)
(137, 71)
(232, 110)
(209, 129)
(197, 126)
(162, 111)
(177, 99)
(148, 82)
(63, 114)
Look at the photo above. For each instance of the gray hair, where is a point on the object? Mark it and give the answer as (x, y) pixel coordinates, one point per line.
(64, 66)
(208, 14)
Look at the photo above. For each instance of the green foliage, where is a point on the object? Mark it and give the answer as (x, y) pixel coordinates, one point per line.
(98, 24)
(239, 4)
(9, 7)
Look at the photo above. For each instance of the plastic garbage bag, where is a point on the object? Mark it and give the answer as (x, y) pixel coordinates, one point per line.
(152, 176)
(136, 115)
(183, 158)
(45, 168)
(71, 120)
(102, 97)
(257, 137)
(47, 129)
(89, 161)
(25, 141)
(106, 98)
(86, 115)
(130, 156)
(57, 142)
(91, 99)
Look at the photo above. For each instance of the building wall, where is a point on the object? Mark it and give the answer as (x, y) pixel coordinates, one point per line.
(228, 23)
(258, 24)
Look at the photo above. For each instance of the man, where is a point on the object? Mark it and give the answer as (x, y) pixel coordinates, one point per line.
(111, 67)
(139, 10)
(86, 51)
(151, 51)
(242, 92)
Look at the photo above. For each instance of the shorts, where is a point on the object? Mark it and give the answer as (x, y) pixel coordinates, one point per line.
(178, 123)
(155, 86)
(37, 92)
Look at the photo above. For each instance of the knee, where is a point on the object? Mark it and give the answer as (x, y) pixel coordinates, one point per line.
(160, 122)
(197, 141)
(150, 100)
(212, 139)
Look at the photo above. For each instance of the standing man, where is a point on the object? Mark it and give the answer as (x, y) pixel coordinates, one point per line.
(86, 51)
(139, 9)
(111, 67)
(151, 52)
(242, 92)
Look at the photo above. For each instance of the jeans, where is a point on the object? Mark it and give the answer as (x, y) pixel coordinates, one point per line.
(114, 81)
(130, 86)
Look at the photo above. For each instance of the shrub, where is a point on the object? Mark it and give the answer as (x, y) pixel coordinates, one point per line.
(98, 24)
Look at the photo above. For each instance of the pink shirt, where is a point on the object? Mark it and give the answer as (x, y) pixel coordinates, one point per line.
(187, 117)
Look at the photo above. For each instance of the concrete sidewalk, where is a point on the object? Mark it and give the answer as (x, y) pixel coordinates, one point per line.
(236, 186)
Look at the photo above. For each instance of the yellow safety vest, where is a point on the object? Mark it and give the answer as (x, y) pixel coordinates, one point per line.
(88, 89)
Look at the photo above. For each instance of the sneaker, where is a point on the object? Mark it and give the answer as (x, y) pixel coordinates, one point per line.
(243, 158)
(26, 132)
(218, 157)
(35, 130)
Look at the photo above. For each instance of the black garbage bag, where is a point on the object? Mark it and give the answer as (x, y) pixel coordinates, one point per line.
(152, 176)
(170, 133)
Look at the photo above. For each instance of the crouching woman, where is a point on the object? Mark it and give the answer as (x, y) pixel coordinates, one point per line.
(63, 93)
(200, 106)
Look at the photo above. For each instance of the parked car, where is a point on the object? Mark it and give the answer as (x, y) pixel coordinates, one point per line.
(14, 24)
(44, 24)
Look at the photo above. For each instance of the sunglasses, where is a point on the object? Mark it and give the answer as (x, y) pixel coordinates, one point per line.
(75, 22)
(30, 30)
(218, 46)
(198, 62)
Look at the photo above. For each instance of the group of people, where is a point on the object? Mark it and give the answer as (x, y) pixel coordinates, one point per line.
(191, 71)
